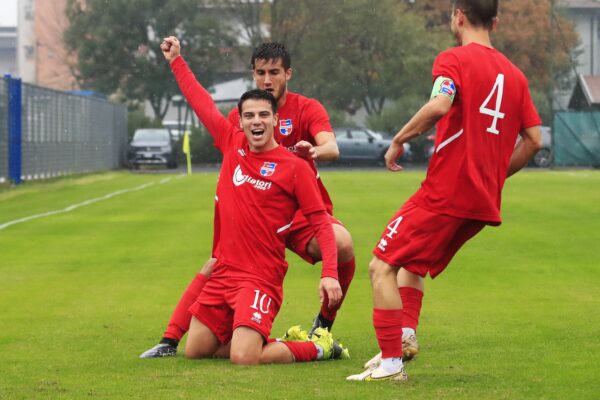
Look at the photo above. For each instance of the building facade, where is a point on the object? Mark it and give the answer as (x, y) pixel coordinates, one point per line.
(42, 57)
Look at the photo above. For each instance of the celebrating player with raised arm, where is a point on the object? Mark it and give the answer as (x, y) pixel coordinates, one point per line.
(481, 103)
(261, 187)
(304, 129)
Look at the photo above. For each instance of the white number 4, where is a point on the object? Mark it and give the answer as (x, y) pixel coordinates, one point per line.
(499, 90)
(393, 226)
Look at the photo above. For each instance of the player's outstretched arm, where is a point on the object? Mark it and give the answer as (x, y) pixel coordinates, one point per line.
(198, 98)
(171, 48)
(530, 143)
(421, 122)
(326, 148)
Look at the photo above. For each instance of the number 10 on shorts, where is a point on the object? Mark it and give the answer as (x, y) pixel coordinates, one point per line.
(262, 302)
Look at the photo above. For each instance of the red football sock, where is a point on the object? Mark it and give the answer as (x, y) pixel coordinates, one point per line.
(345, 275)
(411, 306)
(180, 320)
(388, 329)
(302, 351)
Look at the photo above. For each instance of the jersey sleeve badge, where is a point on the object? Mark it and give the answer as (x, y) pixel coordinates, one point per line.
(285, 127)
(444, 86)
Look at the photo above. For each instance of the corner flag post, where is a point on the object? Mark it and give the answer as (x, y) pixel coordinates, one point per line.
(186, 150)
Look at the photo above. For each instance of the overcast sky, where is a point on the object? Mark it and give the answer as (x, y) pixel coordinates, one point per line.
(8, 12)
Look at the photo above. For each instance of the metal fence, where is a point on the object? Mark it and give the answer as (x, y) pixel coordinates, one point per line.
(3, 131)
(63, 133)
(576, 139)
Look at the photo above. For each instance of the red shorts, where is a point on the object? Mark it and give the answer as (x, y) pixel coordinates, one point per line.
(423, 242)
(301, 232)
(227, 303)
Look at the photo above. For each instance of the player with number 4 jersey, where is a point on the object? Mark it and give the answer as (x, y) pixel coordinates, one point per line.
(481, 103)
(475, 140)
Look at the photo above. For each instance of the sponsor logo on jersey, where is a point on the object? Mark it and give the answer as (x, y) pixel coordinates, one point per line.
(285, 126)
(257, 317)
(268, 169)
(448, 88)
(239, 179)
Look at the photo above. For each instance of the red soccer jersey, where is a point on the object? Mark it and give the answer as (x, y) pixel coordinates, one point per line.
(251, 185)
(300, 118)
(475, 139)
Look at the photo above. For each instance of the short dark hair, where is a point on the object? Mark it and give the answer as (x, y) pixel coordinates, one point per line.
(271, 51)
(258, 94)
(479, 12)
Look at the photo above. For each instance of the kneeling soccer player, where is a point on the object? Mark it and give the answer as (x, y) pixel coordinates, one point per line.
(260, 188)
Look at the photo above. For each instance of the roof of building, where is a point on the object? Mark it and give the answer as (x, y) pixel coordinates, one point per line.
(586, 94)
(580, 3)
(591, 88)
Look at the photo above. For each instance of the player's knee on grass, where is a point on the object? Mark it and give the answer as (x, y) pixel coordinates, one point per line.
(201, 342)
(244, 356)
(246, 346)
(196, 350)
(208, 267)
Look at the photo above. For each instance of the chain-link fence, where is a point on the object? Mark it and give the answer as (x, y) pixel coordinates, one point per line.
(576, 139)
(63, 133)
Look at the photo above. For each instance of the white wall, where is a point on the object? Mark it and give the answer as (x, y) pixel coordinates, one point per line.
(26, 45)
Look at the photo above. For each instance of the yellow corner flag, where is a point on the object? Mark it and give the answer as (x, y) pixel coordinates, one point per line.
(186, 150)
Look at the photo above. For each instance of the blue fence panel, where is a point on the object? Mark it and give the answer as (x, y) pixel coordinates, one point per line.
(3, 130)
(14, 130)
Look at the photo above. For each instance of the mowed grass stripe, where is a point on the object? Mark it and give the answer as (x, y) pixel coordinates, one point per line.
(84, 293)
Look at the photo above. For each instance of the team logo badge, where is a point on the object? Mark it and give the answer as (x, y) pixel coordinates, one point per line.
(448, 88)
(285, 127)
(268, 169)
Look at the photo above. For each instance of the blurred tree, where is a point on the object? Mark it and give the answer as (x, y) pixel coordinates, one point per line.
(117, 46)
(137, 119)
(248, 20)
(354, 54)
(396, 115)
(525, 36)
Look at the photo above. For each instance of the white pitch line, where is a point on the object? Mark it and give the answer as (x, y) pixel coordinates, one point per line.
(75, 206)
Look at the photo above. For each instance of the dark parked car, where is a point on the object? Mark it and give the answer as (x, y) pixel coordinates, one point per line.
(152, 147)
(361, 144)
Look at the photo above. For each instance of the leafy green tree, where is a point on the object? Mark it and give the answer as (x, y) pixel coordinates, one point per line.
(116, 44)
(354, 54)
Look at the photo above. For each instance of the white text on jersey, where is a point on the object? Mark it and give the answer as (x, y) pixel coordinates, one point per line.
(239, 179)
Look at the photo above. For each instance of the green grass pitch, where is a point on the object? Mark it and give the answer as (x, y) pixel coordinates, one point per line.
(83, 293)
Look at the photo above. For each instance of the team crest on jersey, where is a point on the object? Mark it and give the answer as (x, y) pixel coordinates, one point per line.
(268, 169)
(448, 88)
(285, 127)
